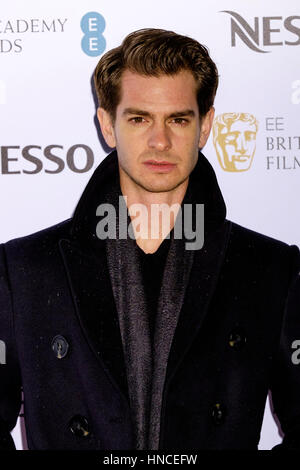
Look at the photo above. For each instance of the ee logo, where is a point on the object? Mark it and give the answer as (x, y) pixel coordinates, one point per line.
(93, 42)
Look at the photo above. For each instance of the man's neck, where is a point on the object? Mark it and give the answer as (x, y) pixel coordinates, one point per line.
(155, 216)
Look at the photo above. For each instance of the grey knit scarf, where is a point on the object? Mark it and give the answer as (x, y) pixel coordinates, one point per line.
(146, 368)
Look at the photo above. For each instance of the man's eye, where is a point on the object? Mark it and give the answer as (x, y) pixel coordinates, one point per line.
(180, 121)
(137, 119)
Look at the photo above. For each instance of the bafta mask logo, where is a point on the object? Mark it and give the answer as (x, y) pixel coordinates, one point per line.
(234, 138)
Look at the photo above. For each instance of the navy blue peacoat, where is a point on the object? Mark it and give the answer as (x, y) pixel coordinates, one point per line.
(235, 338)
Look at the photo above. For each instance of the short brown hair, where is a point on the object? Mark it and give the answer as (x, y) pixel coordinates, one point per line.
(155, 52)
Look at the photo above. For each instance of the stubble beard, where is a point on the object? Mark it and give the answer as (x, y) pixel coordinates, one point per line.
(162, 187)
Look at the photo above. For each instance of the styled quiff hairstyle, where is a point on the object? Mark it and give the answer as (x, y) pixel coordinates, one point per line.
(154, 52)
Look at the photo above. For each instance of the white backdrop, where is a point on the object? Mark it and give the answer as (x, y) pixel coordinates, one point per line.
(47, 56)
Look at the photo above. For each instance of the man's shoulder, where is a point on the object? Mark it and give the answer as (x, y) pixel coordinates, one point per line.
(39, 240)
(248, 241)
(256, 237)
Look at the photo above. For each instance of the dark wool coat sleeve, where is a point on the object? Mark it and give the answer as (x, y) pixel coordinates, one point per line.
(285, 383)
(10, 384)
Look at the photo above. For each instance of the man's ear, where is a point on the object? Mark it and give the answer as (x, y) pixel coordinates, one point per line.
(107, 127)
(206, 125)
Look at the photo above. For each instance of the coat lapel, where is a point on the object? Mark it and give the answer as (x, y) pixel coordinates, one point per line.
(91, 290)
(94, 304)
(199, 291)
(86, 267)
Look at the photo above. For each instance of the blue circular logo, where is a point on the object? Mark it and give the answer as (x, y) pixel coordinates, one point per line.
(93, 42)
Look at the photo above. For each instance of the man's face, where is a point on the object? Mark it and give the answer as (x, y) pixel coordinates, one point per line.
(156, 130)
(236, 146)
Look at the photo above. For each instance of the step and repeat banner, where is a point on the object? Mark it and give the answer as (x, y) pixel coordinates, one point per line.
(50, 142)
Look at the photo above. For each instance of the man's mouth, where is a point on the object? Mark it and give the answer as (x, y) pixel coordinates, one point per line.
(159, 166)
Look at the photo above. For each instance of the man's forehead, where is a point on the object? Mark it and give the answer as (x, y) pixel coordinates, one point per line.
(162, 89)
(128, 74)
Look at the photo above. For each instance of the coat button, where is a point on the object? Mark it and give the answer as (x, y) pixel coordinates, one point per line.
(79, 426)
(60, 346)
(237, 339)
(218, 413)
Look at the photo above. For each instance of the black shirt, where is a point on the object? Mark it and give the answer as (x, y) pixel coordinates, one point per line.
(152, 272)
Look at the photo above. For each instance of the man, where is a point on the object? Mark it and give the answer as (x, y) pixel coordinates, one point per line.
(234, 136)
(125, 342)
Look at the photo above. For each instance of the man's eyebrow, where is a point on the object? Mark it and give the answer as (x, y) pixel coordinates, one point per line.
(140, 112)
(135, 111)
(185, 112)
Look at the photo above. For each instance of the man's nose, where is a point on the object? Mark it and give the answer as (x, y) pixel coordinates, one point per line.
(159, 138)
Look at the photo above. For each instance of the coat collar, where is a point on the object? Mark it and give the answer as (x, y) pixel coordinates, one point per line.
(203, 188)
(86, 267)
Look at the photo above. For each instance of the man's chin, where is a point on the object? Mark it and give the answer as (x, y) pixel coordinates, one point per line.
(159, 188)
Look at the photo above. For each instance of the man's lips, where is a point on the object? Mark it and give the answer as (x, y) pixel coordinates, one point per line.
(159, 162)
(160, 166)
